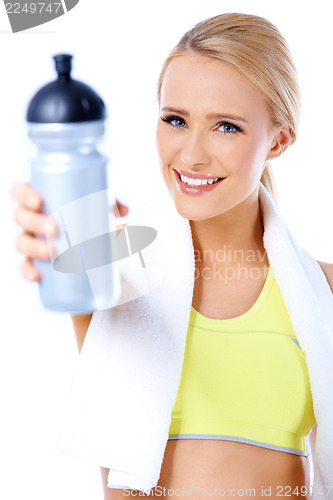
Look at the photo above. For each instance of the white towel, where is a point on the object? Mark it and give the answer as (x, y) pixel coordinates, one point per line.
(129, 370)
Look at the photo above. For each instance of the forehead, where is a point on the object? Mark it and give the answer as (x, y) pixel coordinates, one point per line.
(207, 84)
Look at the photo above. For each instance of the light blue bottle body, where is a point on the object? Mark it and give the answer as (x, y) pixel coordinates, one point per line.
(67, 169)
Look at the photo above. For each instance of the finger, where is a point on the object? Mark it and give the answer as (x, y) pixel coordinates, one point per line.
(29, 271)
(32, 247)
(35, 223)
(120, 209)
(26, 195)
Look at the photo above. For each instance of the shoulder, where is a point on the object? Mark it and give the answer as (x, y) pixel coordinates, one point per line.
(328, 271)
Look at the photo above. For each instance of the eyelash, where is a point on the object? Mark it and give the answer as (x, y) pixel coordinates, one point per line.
(170, 119)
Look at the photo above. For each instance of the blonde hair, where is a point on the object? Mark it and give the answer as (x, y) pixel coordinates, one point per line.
(255, 47)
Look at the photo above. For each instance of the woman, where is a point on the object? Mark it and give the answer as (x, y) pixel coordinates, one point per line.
(228, 104)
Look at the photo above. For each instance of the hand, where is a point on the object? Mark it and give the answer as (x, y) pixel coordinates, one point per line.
(30, 218)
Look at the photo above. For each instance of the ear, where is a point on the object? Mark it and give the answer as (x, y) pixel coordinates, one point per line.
(281, 141)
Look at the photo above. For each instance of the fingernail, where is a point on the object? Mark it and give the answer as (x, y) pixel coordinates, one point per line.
(33, 201)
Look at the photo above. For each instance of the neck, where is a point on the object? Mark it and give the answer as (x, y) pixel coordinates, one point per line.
(238, 234)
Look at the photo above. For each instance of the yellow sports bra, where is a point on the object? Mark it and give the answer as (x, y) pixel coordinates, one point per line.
(245, 379)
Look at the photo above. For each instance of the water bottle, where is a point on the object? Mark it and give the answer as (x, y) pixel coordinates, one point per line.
(66, 121)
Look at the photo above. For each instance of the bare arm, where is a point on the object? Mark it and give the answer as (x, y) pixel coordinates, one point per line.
(328, 271)
(81, 324)
(313, 435)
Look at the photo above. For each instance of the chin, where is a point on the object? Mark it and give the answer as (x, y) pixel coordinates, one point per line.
(191, 212)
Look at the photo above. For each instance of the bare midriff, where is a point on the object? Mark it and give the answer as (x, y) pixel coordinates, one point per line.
(197, 468)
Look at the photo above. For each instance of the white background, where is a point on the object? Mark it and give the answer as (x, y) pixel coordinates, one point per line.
(119, 48)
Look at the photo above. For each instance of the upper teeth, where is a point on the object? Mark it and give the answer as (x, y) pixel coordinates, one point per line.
(197, 182)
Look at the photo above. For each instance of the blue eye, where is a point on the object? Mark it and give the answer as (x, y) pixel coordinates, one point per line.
(229, 128)
(175, 121)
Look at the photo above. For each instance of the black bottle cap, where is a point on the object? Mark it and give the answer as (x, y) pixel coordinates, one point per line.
(65, 100)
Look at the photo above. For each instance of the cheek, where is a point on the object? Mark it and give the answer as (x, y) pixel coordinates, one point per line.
(249, 156)
(168, 145)
(162, 145)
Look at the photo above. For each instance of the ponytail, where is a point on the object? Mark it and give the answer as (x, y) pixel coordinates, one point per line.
(267, 179)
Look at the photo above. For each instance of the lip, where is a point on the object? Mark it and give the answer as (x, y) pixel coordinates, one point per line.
(198, 176)
(195, 190)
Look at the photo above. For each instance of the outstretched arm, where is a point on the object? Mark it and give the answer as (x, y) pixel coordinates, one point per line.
(81, 324)
(31, 219)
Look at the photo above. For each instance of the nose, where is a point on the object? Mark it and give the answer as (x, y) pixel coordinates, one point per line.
(194, 150)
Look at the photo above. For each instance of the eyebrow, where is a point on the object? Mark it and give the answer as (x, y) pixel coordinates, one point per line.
(210, 116)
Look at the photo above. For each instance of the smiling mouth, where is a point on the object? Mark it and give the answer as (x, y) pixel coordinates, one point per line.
(201, 186)
(203, 181)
